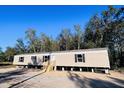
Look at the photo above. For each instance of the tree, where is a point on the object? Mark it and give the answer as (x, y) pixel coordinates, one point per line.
(113, 25)
(94, 32)
(78, 36)
(32, 39)
(88, 38)
(9, 53)
(37, 44)
(46, 43)
(98, 38)
(54, 45)
(64, 39)
(2, 56)
(20, 47)
(107, 30)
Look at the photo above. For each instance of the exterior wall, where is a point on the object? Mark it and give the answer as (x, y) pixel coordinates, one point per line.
(92, 59)
(27, 59)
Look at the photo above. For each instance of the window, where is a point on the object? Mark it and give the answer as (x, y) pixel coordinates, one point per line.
(34, 58)
(21, 59)
(79, 58)
(46, 58)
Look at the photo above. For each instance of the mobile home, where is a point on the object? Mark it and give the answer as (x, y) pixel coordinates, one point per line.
(67, 60)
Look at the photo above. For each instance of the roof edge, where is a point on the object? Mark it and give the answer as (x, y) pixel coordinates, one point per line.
(91, 49)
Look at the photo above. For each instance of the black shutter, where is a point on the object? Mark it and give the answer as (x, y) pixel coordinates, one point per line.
(76, 58)
(83, 57)
(34, 58)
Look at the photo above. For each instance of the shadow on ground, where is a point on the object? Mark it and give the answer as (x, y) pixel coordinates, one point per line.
(11, 76)
(4, 77)
(84, 82)
(14, 85)
(117, 80)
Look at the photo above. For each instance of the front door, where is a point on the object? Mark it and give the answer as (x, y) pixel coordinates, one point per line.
(34, 60)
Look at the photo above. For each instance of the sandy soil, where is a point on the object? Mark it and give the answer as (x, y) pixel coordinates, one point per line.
(30, 78)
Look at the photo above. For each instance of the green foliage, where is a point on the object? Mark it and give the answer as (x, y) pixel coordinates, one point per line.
(46, 43)
(31, 37)
(20, 47)
(88, 35)
(113, 26)
(9, 53)
(78, 35)
(90, 44)
(64, 39)
(2, 55)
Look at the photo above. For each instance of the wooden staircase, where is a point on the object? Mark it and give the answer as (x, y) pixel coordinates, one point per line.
(48, 66)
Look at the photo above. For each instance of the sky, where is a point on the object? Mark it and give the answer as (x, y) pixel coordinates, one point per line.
(15, 20)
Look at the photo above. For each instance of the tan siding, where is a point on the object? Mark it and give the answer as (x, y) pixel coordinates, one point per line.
(92, 58)
(27, 59)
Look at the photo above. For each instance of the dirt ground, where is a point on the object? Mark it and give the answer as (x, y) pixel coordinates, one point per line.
(35, 78)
